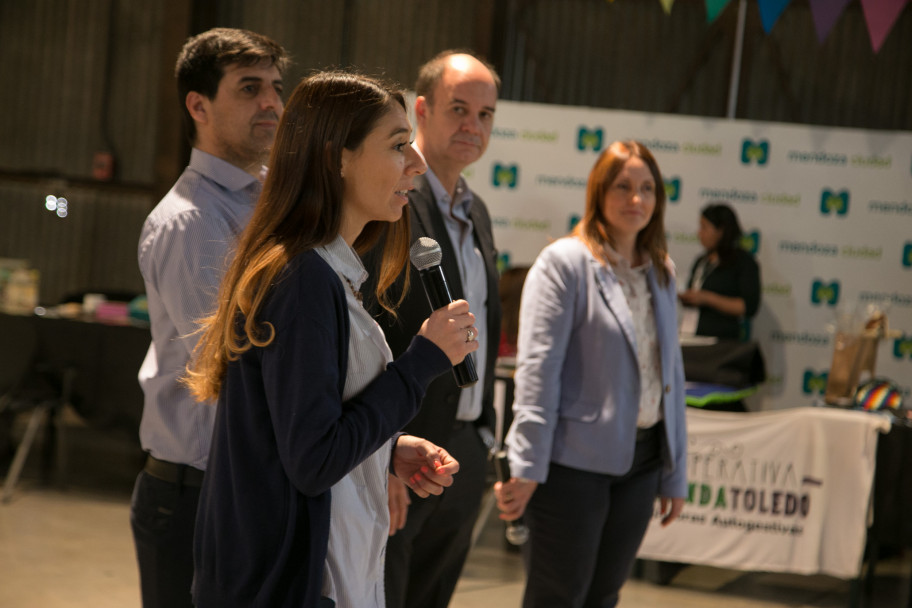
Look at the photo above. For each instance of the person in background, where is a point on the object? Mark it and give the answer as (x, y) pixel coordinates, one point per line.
(230, 86)
(454, 110)
(310, 399)
(724, 286)
(511, 286)
(599, 422)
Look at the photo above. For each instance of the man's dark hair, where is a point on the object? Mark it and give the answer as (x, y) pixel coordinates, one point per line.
(431, 72)
(201, 63)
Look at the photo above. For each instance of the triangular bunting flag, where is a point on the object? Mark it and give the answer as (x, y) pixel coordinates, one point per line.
(881, 15)
(826, 14)
(666, 6)
(713, 8)
(770, 11)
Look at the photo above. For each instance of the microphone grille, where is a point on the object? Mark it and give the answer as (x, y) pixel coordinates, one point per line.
(425, 253)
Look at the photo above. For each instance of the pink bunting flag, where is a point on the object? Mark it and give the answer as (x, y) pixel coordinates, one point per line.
(713, 8)
(826, 14)
(770, 11)
(881, 15)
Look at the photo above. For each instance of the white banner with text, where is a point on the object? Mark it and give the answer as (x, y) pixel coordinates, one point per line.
(785, 491)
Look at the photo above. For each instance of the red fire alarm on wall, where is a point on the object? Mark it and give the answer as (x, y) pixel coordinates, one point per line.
(103, 166)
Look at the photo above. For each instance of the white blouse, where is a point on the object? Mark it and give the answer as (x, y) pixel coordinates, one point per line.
(359, 524)
(639, 299)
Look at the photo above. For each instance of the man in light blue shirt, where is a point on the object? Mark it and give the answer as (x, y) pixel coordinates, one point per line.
(230, 85)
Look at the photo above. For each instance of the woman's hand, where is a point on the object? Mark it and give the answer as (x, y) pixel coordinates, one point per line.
(422, 466)
(452, 329)
(729, 305)
(691, 297)
(399, 501)
(671, 508)
(513, 496)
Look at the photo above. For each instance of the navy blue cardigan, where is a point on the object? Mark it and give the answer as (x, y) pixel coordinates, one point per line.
(283, 437)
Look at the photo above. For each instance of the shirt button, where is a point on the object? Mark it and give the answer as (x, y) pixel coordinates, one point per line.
(667, 388)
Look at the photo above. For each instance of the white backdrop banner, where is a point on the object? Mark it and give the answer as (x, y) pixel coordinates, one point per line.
(784, 491)
(826, 211)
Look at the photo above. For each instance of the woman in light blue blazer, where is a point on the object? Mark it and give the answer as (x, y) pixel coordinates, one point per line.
(599, 428)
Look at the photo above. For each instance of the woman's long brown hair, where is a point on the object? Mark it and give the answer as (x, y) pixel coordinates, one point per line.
(593, 228)
(299, 209)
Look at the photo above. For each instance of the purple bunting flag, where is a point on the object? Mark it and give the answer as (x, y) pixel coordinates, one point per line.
(826, 14)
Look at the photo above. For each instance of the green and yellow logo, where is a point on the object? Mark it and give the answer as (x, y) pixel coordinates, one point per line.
(907, 255)
(824, 293)
(673, 189)
(750, 241)
(505, 175)
(834, 202)
(902, 347)
(590, 139)
(813, 383)
(755, 151)
(503, 261)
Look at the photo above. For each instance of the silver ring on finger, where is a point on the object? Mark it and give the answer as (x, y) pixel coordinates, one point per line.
(471, 334)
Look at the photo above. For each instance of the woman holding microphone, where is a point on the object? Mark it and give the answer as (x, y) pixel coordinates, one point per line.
(293, 510)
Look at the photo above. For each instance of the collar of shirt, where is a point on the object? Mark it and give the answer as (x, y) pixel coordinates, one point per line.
(346, 262)
(222, 172)
(704, 268)
(622, 266)
(464, 203)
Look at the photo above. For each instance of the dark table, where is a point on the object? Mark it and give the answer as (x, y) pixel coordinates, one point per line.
(105, 358)
(891, 526)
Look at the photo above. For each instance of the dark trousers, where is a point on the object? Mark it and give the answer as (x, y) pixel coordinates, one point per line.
(585, 530)
(424, 559)
(163, 515)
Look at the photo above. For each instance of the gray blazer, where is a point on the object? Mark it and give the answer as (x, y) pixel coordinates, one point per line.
(577, 378)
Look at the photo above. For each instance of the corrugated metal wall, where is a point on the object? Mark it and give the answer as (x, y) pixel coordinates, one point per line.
(379, 37)
(789, 77)
(88, 75)
(58, 105)
(626, 55)
(93, 248)
(631, 55)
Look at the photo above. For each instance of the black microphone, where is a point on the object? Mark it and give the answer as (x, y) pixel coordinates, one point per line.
(426, 255)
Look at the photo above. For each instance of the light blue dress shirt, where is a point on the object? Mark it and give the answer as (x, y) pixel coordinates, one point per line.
(184, 249)
(474, 280)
